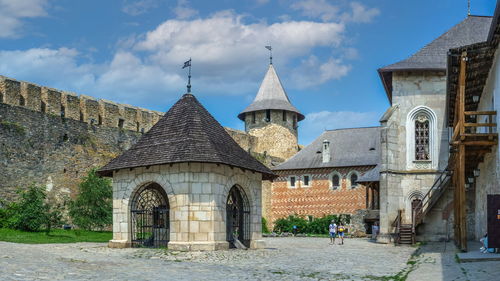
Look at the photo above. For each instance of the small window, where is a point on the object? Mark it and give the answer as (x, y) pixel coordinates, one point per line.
(292, 181)
(1, 97)
(81, 116)
(63, 111)
(43, 107)
(335, 181)
(284, 116)
(22, 101)
(253, 117)
(268, 115)
(138, 126)
(354, 179)
(99, 120)
(120, 123)
(307, 180)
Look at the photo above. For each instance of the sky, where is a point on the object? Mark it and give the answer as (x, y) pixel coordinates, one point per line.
(326, 52)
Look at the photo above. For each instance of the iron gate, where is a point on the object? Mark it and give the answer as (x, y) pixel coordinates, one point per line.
(237, 217)
(150, 217)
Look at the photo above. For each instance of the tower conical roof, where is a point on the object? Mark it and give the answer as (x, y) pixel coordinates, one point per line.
(271, 95)
(186, 133)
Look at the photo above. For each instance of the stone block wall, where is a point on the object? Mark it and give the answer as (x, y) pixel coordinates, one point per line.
(318, 199)
(197, 194)
(402, 181)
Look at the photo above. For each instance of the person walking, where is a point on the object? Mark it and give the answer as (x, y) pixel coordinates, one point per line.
(340, 231)
(332, 229)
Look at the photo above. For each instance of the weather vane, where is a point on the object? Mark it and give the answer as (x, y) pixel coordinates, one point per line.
(188, 64)
(270, 54)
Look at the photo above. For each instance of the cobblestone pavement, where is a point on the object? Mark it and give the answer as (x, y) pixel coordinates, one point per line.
(436, 261)
(283, 259)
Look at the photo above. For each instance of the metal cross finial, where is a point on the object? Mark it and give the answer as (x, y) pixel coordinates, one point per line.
(270, 54)
(468, 7)
(188, 64)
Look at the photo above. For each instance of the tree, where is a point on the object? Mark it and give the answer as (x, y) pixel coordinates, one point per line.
(93, 206)
(30, 212)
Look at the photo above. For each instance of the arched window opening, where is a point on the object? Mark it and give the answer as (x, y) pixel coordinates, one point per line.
(335, 181)
(138, 126)
(81, 116)
(99, 120)
(253, 117)
(268, 115)
(22, 101)
(63, 111)
(1, 98)
(284, 115)
(150, 217)
(238, 218)
(354, 179)
(422, 138)
(43, 107)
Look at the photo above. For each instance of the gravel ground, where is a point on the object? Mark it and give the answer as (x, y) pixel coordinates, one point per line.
(284, 259)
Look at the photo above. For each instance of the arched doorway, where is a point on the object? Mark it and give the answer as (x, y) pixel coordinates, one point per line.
(150, 217)
(237, 217)
(416, 208)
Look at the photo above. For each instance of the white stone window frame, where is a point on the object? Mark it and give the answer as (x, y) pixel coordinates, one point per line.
(330, 177)
(351, 184)
(412, 116)
(303, 181)
(289, 181)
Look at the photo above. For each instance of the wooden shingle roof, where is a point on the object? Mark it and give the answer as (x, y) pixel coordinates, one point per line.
(186, 133)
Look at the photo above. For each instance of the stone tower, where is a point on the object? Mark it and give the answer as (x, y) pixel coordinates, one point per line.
(273, 119)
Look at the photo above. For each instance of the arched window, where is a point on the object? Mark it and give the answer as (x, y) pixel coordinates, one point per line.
(22, 101)
(354, 179)
(268, 115)
(335, 180)
(421, 139)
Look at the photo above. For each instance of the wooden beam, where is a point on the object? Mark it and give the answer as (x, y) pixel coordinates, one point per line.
(461, 196)
(461, 91)
(480, 124)
(480, 113)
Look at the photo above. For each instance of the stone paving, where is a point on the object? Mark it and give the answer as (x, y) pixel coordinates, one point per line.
(437, 261)
(290, 258)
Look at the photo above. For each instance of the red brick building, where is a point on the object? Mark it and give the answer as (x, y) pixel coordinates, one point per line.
(335, 174)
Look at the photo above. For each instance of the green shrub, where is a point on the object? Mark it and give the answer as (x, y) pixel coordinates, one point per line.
(311, 225)
(30, 212)
(264, 226)
(93, 206)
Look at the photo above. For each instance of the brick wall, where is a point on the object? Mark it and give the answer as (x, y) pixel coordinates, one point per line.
(319, 199)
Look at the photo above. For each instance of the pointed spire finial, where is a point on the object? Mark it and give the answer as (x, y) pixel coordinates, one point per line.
(468, 7)
(188, 64)
(270, 53)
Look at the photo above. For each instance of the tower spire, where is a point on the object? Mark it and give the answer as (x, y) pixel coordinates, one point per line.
(188, 64)
(270, 54)
(468, 7)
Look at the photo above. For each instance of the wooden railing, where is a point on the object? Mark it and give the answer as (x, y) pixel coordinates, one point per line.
(475, 123)
(430, 198)
(397, 224)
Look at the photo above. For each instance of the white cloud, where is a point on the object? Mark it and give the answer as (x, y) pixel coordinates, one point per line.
(315, 123)
(139, 7)
(314, 72)
(324, 10)
(224, 47)
(12, 12)
(183, 11)
(363, 14)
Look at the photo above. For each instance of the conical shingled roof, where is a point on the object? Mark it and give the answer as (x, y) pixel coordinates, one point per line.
(186, 133)
(271, 95)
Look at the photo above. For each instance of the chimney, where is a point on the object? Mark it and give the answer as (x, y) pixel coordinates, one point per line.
(326, 151)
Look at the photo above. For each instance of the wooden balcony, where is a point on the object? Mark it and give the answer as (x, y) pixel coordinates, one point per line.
(476, 128)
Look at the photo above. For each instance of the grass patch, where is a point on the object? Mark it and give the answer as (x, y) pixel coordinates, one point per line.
(14, 127)
(55, 236)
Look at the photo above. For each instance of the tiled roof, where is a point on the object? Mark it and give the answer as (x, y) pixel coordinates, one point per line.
(348, 147)
(434, 55)
(271, 95)
(186, 133)
(371, 175)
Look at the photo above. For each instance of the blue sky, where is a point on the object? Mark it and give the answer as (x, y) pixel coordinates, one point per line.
(325, 51)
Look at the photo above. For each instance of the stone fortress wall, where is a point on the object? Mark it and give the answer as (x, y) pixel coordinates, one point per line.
(53, 138)
(82, 108)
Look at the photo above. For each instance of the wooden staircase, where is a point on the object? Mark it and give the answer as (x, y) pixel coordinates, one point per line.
(406, 235)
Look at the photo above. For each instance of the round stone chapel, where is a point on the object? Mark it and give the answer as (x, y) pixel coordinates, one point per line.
(187, 185)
